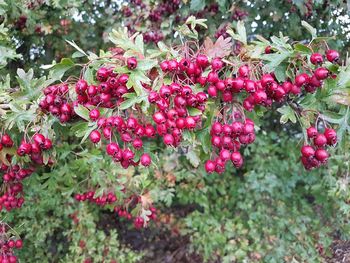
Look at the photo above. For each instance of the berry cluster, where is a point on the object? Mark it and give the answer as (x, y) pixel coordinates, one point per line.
(153, 36)
(315, 154)
(172, 116)
(107, 94)
(103, 200)
(139, 222)
(56, 102)
(227, 140)
(35, 147)
(7, 245)
(129, 132)
(12, 175)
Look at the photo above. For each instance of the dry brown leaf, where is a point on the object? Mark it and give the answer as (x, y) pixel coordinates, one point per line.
(342, 97)
(146, 200)
(221, 48)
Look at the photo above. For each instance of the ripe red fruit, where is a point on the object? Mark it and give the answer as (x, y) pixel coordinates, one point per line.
(210, 166)
(19, 243)
(112, 149)
(6, 141)
(331, 136)
(168, 139)
(307, 151)
(80, 87)
(267, 80)
(321, 155)
(94, 114)
(164, 66)
(66, 108)
(131, 63)
(268, 50)
(47, 144)
(301, 79)
(321, 73)
(332, 55)
(202, 61)
(217, 64)
(236, 159)
(39, 139)
(316, 58)
(128, 154)
(212, 91)
(243, 71)
(225, 155)
(145, 159)
(311, 132)
(216, 128)
(190, 122)
(137, 143)
(260, 96)
(320, 140)
(95, 136)
(102, 74)
(213, 77)
(159, 117)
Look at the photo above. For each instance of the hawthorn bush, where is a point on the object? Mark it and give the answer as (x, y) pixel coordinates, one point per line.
(184, 123)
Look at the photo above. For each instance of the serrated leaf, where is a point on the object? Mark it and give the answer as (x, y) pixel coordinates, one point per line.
(193, 157)
(302, 48)
(82, 111)
(73, 44)
(221, 48)
(146, 64)
(288, 114)
(194, 111)
(309, 28)
(197, 5)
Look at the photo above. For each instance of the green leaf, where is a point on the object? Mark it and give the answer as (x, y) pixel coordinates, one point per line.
(82, 111)
(194, 111)
(288, 114)
(241, 33)
(58, 70)
(309, 28)
(275, 59)
(197, 5)
(146, 64)
(302, 48)
(193, 157)
(73, 44)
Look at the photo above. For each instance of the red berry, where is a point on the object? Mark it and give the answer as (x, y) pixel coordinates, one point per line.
(168, 139)
(95, 136)
(102, 74)
(6, 141)
(236, 159)
(332, 55)
(210, 166)
(301, 79)
(202, 61)
(94, 114)
(217, 64)
(112, 149)
(331, 136)
(320, 140)
(316, 58)
(80, 87)
(311, 132)
(39, 139)
(159, 117)
(307, 151)
(132, 63)
(321, 73)
(243, 71)
(145, 159)
(321, 155)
